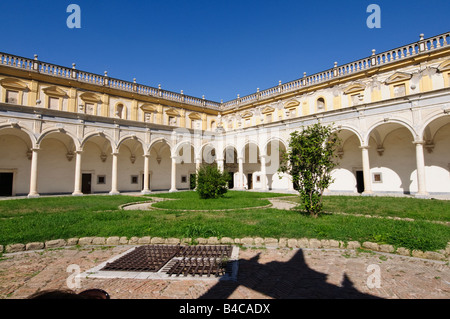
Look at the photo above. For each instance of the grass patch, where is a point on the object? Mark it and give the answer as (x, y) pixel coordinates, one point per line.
(231, 200)
(30, 220)
(403, 207)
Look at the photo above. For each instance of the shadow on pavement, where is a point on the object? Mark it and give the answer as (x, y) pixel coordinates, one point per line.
(285, 280)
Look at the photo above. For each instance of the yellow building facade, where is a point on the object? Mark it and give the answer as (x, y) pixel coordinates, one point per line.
(67, 131)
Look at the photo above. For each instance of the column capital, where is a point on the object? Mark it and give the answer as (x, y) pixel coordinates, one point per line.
(364, 147)
(420, 142)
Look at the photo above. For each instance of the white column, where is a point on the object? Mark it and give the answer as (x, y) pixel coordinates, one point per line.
(198, 163)
(77, 187)
(146, 189)
(33, 176)
(366, 170)
(420, 161)
(241, 173)
(173, 179)
(220, 164)
(114, 190)
(263, 172)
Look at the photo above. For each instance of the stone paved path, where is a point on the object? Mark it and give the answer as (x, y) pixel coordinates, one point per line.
(263, 274)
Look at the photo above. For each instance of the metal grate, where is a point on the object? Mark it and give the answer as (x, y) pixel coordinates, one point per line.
(178, 260)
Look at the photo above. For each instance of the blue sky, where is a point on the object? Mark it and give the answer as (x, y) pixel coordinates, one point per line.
(216, 48)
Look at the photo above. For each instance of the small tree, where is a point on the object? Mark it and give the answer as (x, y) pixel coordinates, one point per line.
(309, 161)
(211, 182)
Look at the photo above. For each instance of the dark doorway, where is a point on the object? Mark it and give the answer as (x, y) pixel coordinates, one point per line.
(249, 181)
(231, 181)
(86, 181)
(360, 181)
(6, 184)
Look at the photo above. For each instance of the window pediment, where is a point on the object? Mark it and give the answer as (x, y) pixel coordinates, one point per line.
(398, 77)
(291, 104)
(13, 84)
(195, 116)
(444, 66)
(148, 108)
(54, 91)
(172, 112)
(90, 97)
(354, 88)
(246, 115)
(268, 110)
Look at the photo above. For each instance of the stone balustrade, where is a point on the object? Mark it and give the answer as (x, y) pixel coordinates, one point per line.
(413, 49)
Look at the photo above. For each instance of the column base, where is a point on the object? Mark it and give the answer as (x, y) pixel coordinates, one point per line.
(114, 193)
(146, 192)
(173, 190)
(368, 193)
(77, 194)
(422, 195)
(34, 195)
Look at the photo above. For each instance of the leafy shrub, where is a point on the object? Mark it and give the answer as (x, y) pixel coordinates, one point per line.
(211, 182)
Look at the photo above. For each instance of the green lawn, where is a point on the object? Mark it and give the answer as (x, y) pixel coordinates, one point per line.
(30, 220)
(231, 200)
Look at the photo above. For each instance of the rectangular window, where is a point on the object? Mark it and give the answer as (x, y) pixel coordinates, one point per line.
(399, 90)
(148, 117)
(53, 103)
(101, 179)
(184, 179)
(356, 99)
(12, 97)
(268, 118)
(134, 179)
(377, 178)
(89, 108)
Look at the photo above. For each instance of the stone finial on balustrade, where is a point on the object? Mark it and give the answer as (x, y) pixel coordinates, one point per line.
(422, 46)
(36, 63)
(106, 81)
(373, 61)
(335, 71)
(74, 71)
(134, 85)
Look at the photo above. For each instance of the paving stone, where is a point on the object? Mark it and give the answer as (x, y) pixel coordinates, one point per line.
(403, 251)
(282, 243)
(133, 240)
(113, 240)
(13, 248)
(303, 243)
(202, 240)
(157, 240)
(173, 241)
(247, 241)
(315, 243)
(123, 241)
(292, 243)
(226, 240)
(271, 242)
(99, 241)
(387, 248)
(85, 240)
(57, 243)
(353, 245)
(72, 241)
(259, 241)
(145, 240)
(213, 241)
(370, 245)
(418, 254)
(34, 246)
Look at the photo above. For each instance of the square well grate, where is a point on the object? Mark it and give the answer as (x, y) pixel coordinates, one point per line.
(175, 260)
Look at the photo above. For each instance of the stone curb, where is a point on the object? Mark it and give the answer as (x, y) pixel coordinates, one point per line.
(442, 255)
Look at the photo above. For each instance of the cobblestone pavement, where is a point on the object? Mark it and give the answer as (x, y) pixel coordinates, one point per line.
(262, 274)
